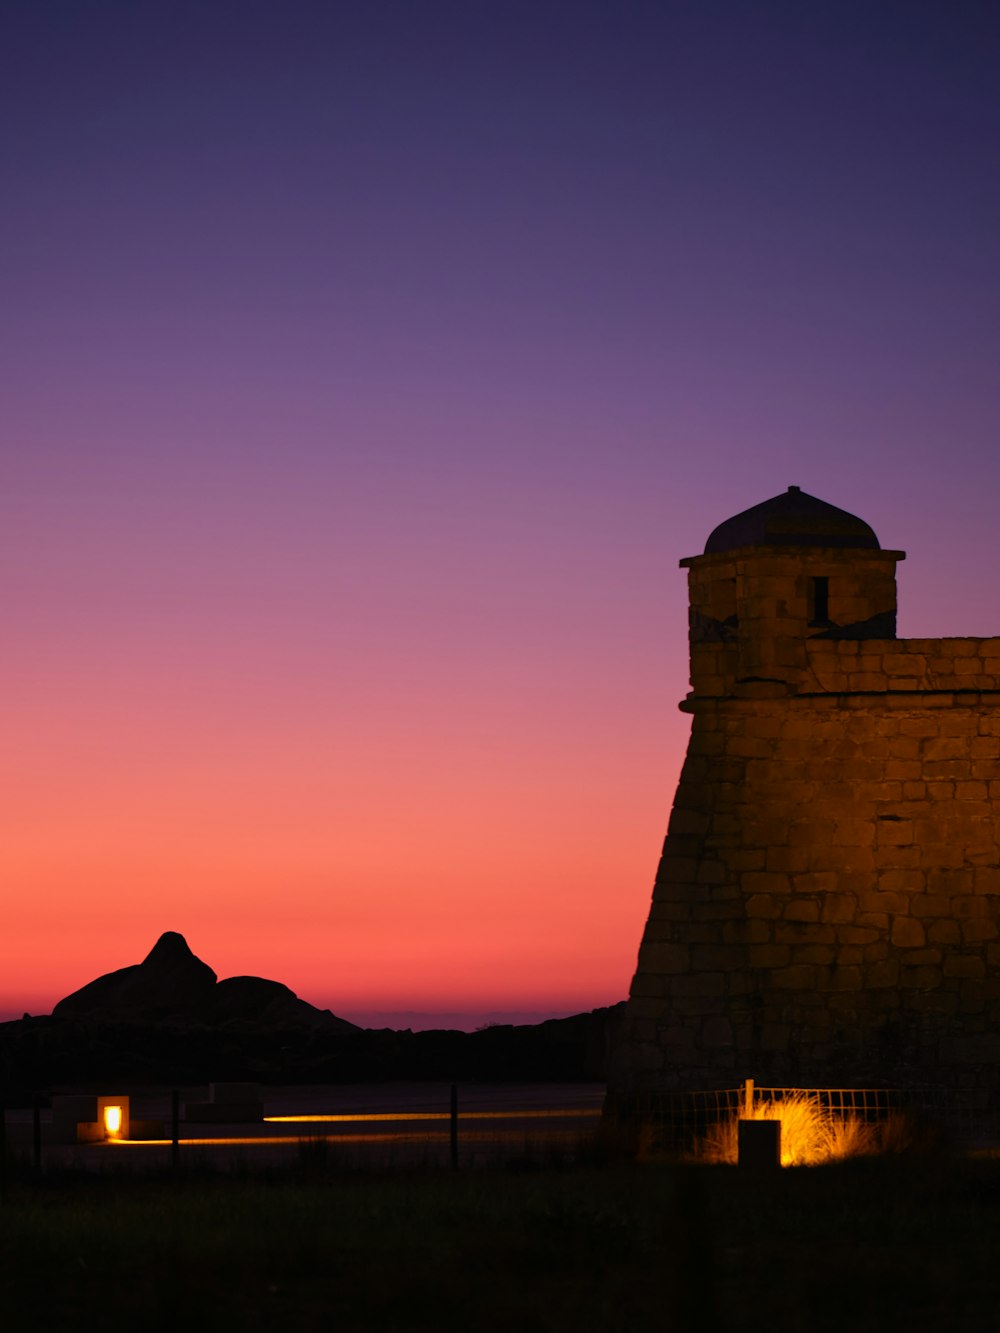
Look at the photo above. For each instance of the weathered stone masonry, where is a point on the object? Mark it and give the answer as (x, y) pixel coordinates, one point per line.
(827, 906)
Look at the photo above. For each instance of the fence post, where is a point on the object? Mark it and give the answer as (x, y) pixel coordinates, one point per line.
(3, 1152)
(36, 1132)
(175, 1137)
(748, 1098)
(454, 1125)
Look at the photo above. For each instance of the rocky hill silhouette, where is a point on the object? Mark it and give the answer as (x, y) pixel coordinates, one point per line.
(169, 1020)
(172, 985)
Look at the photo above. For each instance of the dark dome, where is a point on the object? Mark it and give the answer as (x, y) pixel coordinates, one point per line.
(792, 519)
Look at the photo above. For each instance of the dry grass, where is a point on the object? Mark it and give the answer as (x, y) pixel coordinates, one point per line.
(811, 1133)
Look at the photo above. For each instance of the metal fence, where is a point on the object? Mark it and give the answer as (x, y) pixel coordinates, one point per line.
(446, 1130)
(673, 1122)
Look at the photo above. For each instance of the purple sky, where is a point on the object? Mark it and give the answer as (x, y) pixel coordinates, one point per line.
(367, 367)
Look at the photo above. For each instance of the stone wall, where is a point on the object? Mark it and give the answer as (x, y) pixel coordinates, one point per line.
(827, 907)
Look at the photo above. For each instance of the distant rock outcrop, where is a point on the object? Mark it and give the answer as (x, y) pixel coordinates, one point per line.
(170, 982)
(172, 985)
(256, 1000)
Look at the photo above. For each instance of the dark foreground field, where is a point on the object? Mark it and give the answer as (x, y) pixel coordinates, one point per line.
(880, 1245)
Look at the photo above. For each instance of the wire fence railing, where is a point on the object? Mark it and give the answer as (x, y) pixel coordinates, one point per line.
(675, 1121)
(450, 1131)
(455, 1131)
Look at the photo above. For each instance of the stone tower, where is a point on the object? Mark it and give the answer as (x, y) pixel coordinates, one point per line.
(827, 906)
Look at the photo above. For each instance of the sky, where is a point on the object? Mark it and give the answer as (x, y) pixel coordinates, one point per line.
(366, 368)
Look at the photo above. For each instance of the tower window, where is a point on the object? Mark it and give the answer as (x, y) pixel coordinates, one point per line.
(819, 599)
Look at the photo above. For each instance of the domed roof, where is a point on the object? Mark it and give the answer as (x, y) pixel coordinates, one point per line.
(792, 519)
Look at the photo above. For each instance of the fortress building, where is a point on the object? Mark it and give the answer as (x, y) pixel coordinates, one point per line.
(827, 906)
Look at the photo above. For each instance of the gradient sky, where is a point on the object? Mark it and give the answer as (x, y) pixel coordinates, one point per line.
(366, 369)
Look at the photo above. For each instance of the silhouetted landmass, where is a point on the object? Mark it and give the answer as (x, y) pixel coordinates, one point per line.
(168, 1020)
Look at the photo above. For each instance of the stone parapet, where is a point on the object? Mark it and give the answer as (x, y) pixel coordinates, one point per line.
(880, 665)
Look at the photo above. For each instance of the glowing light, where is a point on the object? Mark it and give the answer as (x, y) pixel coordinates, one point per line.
(810, 1132)
(113, 1121)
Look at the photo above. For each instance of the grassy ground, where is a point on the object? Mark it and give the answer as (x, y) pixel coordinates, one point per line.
(870, 1245)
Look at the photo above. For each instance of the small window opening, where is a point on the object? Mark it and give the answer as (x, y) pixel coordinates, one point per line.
(820, 599)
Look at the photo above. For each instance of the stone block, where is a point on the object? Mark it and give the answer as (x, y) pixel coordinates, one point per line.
(904, 747)
(822, 954)
(717, 910)
(711, 872)
(799, 932)
(664, 959)
(944, 932)
(757, 930)
(986, 880)
(689, 821)
(853, 832)
(669, 911)
(898, 858)
(904, 664)
(845, 979)
(966, 907)
(929, 905)
(964, 965)
(754, 858)
(930, 1000)
(977, 992)
(768, 955)
(838, 909)
(950, 882)
(716, 957)
(893, 833)
(648, 986)
(880, 976)
(817, 881)
(696, 1006)
(877, 900)
(787, 859)
(677, 1038)
(978, 1050)
(698, 985)
(775, 1036)
(677, 870)
(801, 909)
(908, 933)
(763, 905)
(878, 921)
(851, 934)
(806, 833)
(978, 929)
(717, 1032)
(945, 770)
(946, 748)
(919, 978)
(799, 976)
(867, 681)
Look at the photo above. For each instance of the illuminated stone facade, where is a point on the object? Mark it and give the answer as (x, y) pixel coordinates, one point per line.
(827, 907)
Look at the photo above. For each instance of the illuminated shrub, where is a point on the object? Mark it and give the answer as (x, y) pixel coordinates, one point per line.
(810, 1133)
